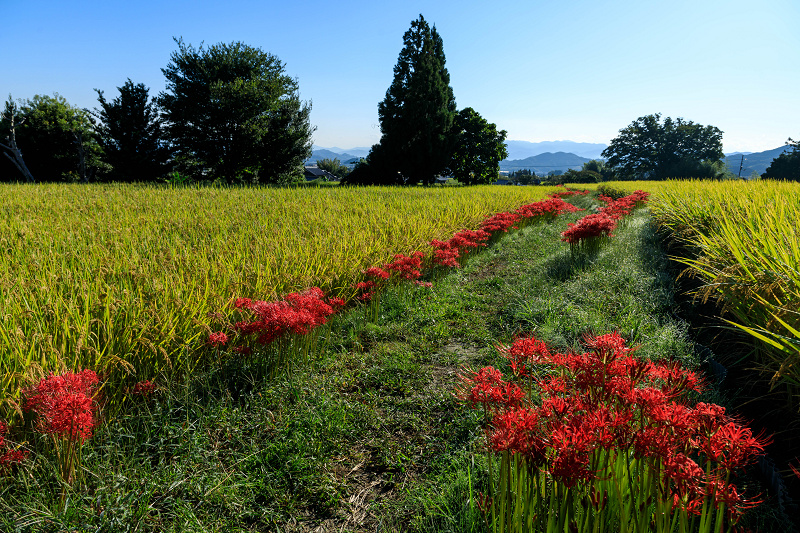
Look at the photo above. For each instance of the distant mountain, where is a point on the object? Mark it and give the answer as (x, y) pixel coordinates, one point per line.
(318, 153)
(757, 162)
(524, 149)
(359, 151)
(546, 162)
(342, 154)
(517, 150)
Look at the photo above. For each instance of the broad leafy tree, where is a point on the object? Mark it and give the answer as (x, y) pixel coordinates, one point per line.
(651, 149)
(417, 114)
(58, 140)
(232, 113)
(787, 165)
(131, 135)
(478, 149)
(334, 166)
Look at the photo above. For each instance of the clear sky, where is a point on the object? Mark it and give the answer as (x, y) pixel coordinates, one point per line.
(543, 70)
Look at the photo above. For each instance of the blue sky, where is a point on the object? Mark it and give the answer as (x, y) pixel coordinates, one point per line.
(542, 70)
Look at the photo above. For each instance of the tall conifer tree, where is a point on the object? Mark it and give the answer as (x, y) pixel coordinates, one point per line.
(417, 114)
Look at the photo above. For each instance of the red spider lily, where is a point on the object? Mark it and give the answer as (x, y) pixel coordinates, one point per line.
(365, 285)
(707, 417)
(572, 443)
(733, 446)
(377, 273)
(11, 458)
(551, 208)
(407, 267)
(673, 415)
(500, 222)
(243, 350)
(366, 296)
(596, 225)
(217, 339)
(144, 388)
(336, 303)
(686, 474)
(367, 288)
(448, 252)
(3, 432)
(676, 379)
(556, 407)
(526, 349)
(298, 313)
(486, 386)
(654, 441)
(515, 431)
(647, 398)
(425, 284)
(605, 399)
(611, 344)
(794, 469)
(727, 494)
(243, 303)
(446, 256)
(64, 404)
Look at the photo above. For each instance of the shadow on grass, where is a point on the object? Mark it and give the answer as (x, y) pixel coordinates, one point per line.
(566, 265)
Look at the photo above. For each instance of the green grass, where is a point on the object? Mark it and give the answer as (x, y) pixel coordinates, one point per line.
(368, 437)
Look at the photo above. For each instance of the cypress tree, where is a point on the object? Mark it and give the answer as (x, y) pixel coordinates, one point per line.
(417, 114)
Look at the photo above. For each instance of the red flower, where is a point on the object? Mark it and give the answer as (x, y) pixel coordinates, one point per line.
(486, 386)
(590, 226)
(11, 458)
(336, 303)
(734, 446)
(64, 404)
(144, 388)
(407, 267)
(217, 339)
(376, 273)
(684, 472)
(608, 344)
(517, 431)
(526, 349)
(298, 314)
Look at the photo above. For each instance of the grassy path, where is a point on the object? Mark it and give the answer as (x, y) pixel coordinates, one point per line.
(369, 437)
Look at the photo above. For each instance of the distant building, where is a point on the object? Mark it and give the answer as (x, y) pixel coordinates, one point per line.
(316, 173)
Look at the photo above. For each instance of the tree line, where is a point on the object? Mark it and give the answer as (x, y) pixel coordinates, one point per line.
(229, 113)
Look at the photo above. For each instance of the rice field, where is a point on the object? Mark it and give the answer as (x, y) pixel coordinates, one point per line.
(125, 278)
(742, 241)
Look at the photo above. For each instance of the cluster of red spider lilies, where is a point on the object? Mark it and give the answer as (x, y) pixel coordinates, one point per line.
(588, 232)
(607, 438)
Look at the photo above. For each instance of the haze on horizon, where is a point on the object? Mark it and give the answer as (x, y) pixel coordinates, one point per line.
(543, 71)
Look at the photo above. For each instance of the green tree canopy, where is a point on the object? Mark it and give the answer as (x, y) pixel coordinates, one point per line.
(650, 149)
(334, 166)
(478, 149)
(524, 176)
(58, 140)
(233, 114)
(416, 115)
(131, 135)
(787, 165)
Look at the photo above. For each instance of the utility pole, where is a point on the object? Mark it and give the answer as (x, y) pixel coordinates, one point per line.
(741, 164)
